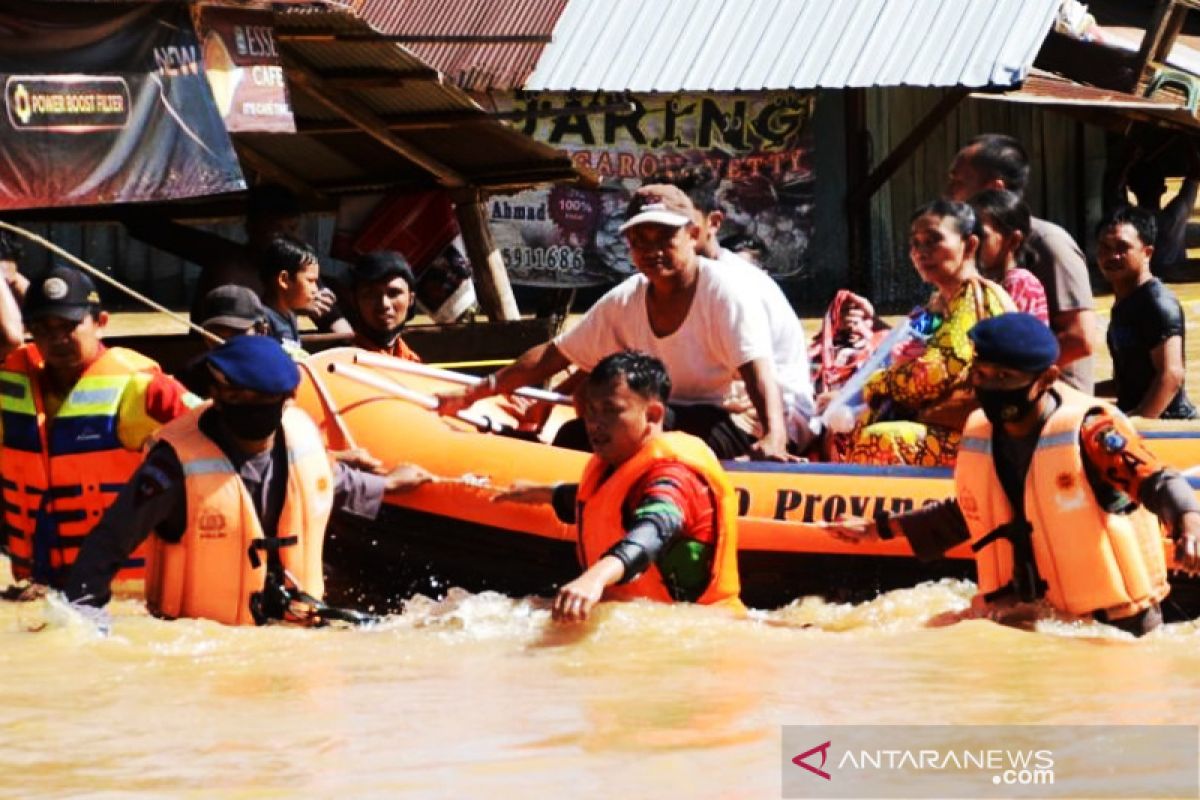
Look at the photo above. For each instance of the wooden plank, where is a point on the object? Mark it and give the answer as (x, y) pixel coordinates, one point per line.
(97, 249)
(1156, 43)
(134, 257)
(901, 152)
(36, 259)
(882, 252)
(859, 267)
(487, 265)
(307, 81)
(906, 110)
(381, 80)
(67, 236)
(274, 173)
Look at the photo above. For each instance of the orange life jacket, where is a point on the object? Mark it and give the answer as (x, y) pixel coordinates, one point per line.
(1088, 559)
(221, 561)
(59, 478)
(397, 349)
(601, 500)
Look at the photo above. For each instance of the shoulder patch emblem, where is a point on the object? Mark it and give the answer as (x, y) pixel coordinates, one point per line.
(54, 288)
(1112, 442)
(211, 524)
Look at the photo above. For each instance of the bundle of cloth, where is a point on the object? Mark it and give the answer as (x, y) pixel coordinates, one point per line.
(849, 334)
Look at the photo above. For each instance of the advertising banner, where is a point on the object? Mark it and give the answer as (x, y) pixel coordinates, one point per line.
(107, 104)
(754, 151)
(244, 70)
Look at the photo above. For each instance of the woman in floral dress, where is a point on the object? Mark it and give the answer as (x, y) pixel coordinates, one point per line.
(917, 405)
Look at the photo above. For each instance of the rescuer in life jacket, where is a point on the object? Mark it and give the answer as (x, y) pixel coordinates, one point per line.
(238, 493)
(656, 514)
(75, 417)
(1058, 495)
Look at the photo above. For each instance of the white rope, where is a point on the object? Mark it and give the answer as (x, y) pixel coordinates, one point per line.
(95, 273)
(415, 368)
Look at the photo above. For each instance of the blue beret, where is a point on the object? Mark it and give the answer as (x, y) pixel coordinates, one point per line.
(258, 363)
(1018, 341)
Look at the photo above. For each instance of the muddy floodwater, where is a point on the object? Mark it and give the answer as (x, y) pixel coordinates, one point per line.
(482, 696)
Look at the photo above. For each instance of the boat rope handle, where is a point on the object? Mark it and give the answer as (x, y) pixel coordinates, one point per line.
(330, 409)
(426, 401)
(111, 281)
(424, 370)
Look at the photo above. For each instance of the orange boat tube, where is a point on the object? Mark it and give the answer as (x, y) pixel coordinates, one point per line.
(453, 534)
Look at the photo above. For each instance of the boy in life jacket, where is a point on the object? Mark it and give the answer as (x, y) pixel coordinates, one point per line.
(237, 494)
(75, 416)
(656, 514)
(1056, 492)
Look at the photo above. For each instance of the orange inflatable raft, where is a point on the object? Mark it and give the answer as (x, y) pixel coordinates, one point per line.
(451, 533)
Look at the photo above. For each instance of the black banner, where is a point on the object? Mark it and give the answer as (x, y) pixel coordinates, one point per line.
(107, 104)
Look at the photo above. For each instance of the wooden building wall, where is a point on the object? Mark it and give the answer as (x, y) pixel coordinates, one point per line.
(169, 279)
(1065, 186)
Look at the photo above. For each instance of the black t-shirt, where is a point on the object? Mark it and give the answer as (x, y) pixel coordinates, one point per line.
(1141, 322)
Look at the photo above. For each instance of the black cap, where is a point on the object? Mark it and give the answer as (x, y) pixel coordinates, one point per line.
(232, 306)
(382, 265)
(62, 292)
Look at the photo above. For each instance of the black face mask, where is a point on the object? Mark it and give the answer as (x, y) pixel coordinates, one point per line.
(252, 422)
(1006, 405)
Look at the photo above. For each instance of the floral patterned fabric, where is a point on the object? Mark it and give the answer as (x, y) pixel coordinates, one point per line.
(920, 383)
(1027, 293)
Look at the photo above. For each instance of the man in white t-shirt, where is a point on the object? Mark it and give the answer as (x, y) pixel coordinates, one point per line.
(789, 346)
(687, 311)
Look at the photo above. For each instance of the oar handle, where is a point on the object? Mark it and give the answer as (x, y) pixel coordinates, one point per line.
(426, 371)
(426, 401)
(330, 409)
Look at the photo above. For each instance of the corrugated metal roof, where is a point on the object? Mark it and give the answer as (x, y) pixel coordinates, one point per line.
(751, 45)
(351, 63)
(480, 65)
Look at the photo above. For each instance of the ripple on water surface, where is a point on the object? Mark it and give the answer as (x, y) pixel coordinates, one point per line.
(480, 693)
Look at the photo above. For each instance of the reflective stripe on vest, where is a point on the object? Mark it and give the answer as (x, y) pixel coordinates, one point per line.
(210, 573)
(1091, 560)
(601, 525)
(57, 483)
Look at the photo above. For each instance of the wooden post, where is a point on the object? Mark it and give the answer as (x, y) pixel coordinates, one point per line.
(903, 151)
(858, 212)
(487, 265)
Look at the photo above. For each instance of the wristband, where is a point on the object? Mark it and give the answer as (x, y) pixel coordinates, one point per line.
(883, 525)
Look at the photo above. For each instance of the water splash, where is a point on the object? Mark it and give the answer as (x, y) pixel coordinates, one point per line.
(900, 609)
